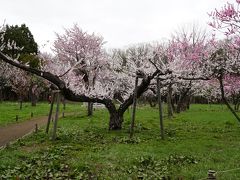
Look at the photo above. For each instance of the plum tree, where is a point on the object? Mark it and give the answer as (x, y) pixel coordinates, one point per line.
(84, 72)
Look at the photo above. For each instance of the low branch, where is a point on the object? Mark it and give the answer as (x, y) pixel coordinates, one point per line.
(46, 75)
(154, 64)
(194, 78)
(140, 90)
(68, 94)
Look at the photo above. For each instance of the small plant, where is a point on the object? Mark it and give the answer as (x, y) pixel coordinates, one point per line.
(127, 140)
(48, 164)
(170, 132)
(147, 167)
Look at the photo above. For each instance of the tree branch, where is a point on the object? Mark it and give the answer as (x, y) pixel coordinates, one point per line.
(68, 94)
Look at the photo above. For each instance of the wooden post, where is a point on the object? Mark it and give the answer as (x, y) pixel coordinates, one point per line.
(36, 128)
(16, 118)
(56, 115)
(21, 102)
(50, 112)
(31, 114)
(211, 174)
(160, 108)
(64, 102)
(134, 108)
(64, 105)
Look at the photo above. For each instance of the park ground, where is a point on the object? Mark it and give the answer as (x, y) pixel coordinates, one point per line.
(202, 138)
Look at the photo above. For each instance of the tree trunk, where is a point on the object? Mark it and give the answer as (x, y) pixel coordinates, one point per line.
(33, 99)
(169, 102)
(134, 108)
(179, 104)
(182, 103)
(1, 95)
(237, 106)
(116, 116)
(188, 102)
(173, 100)
(90, 108)
(33, 95)
(235, 99)
(20, 102)
(115, 122)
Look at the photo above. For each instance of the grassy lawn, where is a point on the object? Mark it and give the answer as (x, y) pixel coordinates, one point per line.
(205, 137)
(9, 111)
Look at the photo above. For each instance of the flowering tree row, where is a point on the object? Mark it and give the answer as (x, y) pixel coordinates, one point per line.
(189, 63)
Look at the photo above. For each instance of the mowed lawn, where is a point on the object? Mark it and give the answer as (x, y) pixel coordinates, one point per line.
(202, 138)
(9, 111)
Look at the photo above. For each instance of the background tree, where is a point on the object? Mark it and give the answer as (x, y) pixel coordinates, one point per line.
(4, 78)
(23, 38)
(19, 41)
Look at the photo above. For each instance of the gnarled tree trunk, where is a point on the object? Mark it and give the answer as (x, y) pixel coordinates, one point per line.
(116, 120)
(183, 102)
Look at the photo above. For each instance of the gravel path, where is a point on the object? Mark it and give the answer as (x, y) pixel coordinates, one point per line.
(15, 131)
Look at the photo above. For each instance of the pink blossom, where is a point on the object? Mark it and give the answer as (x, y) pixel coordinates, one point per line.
(226, 19)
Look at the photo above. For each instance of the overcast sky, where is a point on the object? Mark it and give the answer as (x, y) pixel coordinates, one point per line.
(120, 22)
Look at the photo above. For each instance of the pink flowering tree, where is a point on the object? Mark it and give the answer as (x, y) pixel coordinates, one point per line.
(226, 58)
(232, 89)
(226, 20)
(185, 55)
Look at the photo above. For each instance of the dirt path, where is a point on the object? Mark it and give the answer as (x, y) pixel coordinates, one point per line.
(16, 131)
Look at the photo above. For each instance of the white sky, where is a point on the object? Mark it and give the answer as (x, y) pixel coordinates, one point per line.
(120, 22)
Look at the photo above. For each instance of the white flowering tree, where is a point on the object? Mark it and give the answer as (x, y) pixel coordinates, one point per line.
(84, 72)
(4, 79)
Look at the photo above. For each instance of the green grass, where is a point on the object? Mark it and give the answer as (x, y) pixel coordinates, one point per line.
(202, 138)
(9, 111)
